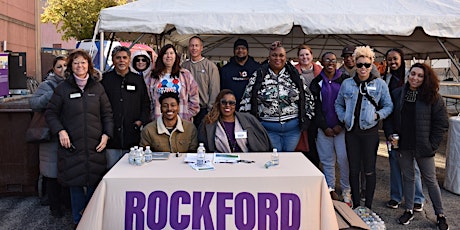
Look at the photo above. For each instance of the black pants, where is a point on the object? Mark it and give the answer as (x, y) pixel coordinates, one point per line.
(362, 150)
(58, 195)
(312, 155)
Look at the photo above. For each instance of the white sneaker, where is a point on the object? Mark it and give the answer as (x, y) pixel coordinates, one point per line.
(347, 198)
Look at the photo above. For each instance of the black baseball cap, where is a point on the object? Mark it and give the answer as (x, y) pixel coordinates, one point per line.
(349, 49)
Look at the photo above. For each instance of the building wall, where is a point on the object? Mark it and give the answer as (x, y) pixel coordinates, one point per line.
(18, 29)
(50, 37)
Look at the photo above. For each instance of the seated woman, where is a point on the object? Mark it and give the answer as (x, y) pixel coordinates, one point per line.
(224, 130)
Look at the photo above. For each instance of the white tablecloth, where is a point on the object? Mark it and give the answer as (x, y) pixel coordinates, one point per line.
(452, 180)
(171, 195)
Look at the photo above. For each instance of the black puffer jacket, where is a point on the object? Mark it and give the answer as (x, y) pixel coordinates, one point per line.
(85, 115)
(431, 122)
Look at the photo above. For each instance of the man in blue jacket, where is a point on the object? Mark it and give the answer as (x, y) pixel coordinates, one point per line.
(235, 74)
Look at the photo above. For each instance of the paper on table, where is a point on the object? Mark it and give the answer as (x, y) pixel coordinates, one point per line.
(226, 158)
(206, 166)
(191, 157)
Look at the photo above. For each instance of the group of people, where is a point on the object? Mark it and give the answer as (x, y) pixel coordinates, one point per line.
(246, 107)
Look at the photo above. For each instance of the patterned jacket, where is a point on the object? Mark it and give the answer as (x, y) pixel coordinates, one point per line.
(281, 97)
(189, 99)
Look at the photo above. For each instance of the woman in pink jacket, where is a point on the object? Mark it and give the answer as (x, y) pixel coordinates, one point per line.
(169, 77)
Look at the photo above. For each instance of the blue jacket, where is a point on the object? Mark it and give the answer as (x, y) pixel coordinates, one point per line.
(345, 104)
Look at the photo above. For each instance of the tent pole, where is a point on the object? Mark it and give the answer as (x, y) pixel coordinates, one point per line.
(448, 54)
(108, 51)
(101, 53)
(136, 41)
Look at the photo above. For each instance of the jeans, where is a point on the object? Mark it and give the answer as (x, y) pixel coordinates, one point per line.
(330, 148)
(396, 184)
(428, 172)
(114, 155)
(80, 198)
(362, 148)
(283, 135)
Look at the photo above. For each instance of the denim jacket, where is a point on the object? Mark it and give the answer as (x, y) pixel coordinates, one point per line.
(345, 103)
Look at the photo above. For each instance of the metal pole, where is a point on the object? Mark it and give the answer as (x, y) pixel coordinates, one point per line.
(450, 56)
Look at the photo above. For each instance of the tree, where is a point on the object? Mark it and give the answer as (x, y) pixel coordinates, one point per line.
(75, 18)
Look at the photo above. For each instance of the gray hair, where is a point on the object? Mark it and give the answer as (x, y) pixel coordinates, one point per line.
(118, 49)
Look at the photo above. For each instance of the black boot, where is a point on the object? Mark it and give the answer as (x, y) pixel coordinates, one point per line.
(54, 197)
(44, 198)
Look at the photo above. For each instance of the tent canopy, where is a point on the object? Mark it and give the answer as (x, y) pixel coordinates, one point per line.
(420, 28)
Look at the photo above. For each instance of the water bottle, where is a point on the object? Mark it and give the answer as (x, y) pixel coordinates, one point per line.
(275, 157)
(131, 156)
(141, 151)
(138, 157)
(148, 154)
(200, 156)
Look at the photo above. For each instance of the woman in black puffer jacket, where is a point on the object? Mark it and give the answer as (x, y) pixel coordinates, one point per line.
(80, 113)
(420, 120)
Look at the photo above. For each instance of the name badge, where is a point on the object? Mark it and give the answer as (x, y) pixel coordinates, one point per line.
(75, 95)
(241, 134)
(131, 87)
(372, 88)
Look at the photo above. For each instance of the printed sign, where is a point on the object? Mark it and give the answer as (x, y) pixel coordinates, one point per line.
(4, 88)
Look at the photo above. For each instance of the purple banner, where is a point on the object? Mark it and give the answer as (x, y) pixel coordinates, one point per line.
(160, 210)
(4, 88)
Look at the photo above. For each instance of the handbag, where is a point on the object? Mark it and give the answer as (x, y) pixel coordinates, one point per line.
(303, 146)
(38, 131)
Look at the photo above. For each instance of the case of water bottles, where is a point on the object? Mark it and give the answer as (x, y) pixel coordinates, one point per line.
(370, 218)
(137, 156)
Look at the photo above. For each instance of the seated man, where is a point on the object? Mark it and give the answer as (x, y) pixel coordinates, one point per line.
(170, 133)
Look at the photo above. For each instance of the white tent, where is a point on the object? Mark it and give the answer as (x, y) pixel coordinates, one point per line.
(421, 28)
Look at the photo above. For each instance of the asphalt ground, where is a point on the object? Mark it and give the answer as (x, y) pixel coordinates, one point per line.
(18, 212)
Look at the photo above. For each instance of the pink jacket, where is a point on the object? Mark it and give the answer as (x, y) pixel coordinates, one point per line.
(189, 99)
(316, 69)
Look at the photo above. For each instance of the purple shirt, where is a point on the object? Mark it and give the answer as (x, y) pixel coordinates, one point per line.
(329, 92)
(229, 128)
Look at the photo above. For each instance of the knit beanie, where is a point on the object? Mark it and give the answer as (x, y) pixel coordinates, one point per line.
(240, 42)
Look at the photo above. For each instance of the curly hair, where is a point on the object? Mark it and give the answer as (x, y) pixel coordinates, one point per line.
(430, 85)
(79, 53)
(214, 114)
(364, 51)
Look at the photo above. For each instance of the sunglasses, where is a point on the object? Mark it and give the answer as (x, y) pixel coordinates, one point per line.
(360, 65)
(141, 60)
(231, 103)
(329, 61)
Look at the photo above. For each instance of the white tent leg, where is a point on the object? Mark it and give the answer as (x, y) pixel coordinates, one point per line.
(101, 53)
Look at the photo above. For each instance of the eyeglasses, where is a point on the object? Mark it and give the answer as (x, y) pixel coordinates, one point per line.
(141, 60)
(329, 61)
(360, 65)
(231, 103)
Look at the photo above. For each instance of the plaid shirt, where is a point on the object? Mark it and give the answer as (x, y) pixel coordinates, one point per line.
(189, 104)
